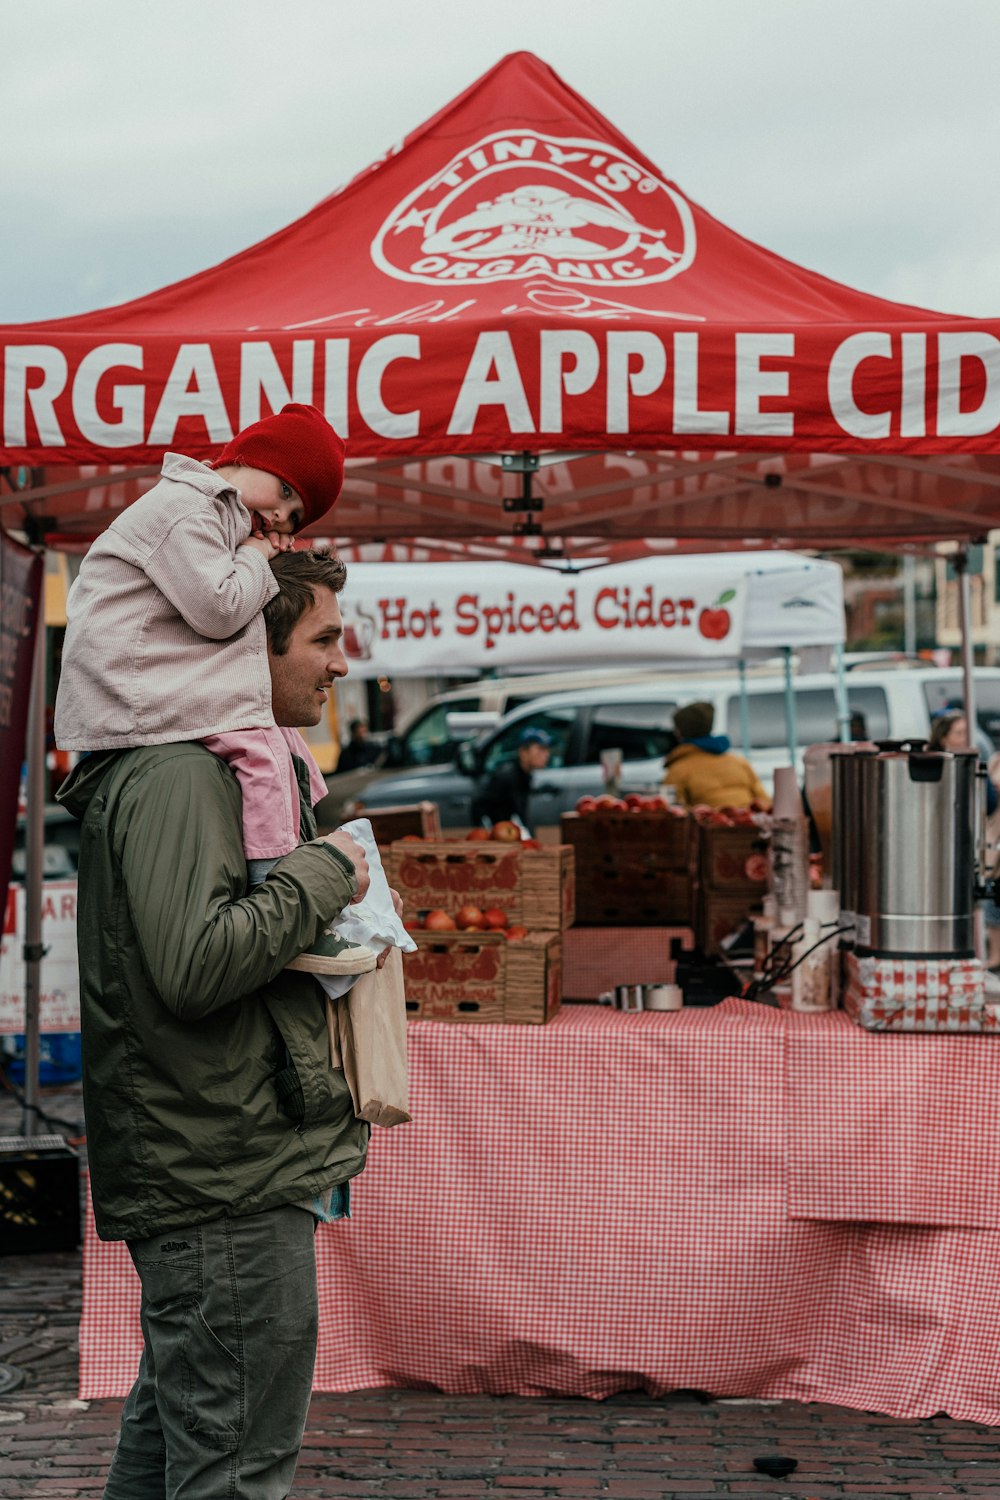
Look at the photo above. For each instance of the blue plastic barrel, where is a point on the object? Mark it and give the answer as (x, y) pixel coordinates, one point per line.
(59, 1058)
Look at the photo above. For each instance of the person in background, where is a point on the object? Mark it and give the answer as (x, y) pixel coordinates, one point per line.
(359, 750)
(703, 770)
(991, 910)
(949, 731)
(505, 794)
(980, 740)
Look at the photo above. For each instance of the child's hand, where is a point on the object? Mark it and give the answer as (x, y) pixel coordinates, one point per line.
(262, 545)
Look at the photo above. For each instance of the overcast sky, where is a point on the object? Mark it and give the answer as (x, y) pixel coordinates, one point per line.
(141, 141)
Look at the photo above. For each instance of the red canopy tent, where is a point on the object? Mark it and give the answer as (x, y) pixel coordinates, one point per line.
(534, 343)
(517, 279)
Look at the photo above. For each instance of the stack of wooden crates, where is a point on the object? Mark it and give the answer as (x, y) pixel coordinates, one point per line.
(632, 869)
(482, 975)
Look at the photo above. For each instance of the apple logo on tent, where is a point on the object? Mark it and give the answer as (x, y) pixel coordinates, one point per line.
(715, 621)
(519, 204)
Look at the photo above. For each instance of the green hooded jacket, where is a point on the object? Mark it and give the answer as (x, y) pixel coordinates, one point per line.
(207, 1080)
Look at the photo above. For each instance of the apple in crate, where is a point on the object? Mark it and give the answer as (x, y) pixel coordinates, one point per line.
(477, 835)
(494, 920)
(469, 918)
(506, 833)
(439, 921)
(514, 934)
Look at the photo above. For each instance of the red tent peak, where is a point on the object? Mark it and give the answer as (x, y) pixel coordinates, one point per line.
(516, 200)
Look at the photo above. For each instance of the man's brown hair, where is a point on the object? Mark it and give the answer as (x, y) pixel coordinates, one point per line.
(299, 574)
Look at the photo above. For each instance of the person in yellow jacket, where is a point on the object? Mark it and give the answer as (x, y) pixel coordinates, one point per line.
(703, 769)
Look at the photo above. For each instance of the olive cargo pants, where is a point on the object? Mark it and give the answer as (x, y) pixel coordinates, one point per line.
(229, 1319)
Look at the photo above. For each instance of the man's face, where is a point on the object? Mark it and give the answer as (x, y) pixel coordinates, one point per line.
(315, 656)
(534, 757)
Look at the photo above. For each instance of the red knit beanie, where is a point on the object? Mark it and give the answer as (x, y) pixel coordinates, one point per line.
(299, 446)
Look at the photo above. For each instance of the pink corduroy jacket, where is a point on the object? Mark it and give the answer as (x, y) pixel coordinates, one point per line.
(165, 637)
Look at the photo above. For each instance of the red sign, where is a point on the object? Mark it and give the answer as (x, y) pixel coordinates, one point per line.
(517, 275)
(20, 593)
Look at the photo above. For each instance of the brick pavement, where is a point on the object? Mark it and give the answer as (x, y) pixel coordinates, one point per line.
(418, 1445)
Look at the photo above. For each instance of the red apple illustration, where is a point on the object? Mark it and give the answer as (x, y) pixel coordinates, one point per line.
(714, 623)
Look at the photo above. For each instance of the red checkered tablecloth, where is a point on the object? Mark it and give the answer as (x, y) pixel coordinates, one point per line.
(603, 1203)
(898, 1128)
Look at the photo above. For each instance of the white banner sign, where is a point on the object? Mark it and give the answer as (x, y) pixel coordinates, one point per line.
(60, 1006)
(404, 619)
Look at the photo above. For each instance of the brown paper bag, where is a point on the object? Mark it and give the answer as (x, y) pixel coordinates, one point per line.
(367, 1028)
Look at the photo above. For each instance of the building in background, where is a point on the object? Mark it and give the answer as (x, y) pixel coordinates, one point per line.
(890, 602)
(984, 592)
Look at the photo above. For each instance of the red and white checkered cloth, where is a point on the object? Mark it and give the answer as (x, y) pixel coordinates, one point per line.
(601, 1204)
(917, 994)
(894, 1129)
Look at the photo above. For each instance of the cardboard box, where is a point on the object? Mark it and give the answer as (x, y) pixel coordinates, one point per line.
(535, 887)
(476, 977)
(631, 868)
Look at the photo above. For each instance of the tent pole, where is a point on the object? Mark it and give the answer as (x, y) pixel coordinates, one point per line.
(840, 690)
(744, 709)
(34, 852)
(790, 724)
(909, 605)
(965, 627)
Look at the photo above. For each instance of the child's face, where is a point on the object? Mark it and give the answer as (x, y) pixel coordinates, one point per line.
(273, 505)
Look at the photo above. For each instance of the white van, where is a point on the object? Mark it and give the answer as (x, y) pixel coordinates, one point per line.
(636, 717)
(431, 735)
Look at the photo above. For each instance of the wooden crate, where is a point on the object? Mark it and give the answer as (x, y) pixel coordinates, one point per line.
(732, 861)
(421, 819)
(717, 914)
(474, 977)
(535, 887)
(631, 868)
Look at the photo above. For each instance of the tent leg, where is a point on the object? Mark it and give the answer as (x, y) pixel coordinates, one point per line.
(34, 851)
(965, 627)
(790, 723)
(909, 605)
(840, 689)
(744, 710)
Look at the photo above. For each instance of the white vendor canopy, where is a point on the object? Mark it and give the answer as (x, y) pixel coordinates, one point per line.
(408, 619)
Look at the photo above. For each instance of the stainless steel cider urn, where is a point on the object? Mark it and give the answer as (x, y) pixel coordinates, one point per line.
(845, 764)
(914, 845)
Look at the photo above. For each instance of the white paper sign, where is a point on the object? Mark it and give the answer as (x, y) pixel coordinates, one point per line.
(60, 1002)
(403, 619)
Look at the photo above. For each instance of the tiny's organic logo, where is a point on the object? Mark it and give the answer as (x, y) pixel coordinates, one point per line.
(519, 203)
